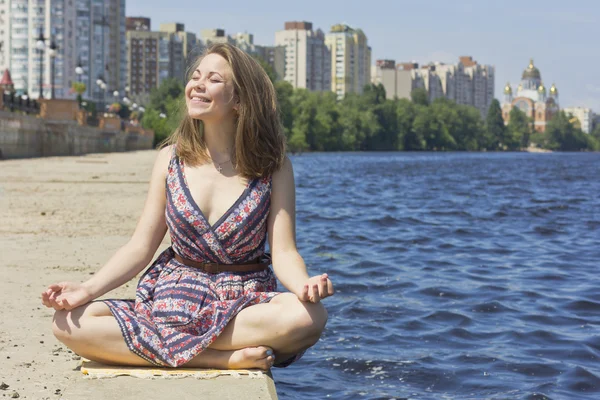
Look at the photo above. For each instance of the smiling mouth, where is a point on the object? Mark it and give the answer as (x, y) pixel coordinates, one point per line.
(200, 99)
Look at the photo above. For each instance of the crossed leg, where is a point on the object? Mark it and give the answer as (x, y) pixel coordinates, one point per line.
(285, 325)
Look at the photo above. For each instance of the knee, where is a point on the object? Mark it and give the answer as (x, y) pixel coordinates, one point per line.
(309, 321)
(60, 325)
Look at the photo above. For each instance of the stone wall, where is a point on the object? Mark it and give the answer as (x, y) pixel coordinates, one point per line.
(23, 136)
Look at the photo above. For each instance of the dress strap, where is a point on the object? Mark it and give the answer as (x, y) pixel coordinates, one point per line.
(173, 161)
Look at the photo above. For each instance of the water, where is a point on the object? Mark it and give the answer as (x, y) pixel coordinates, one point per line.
(458, 276)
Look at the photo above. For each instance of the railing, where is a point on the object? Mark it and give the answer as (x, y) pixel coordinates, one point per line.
(14, 102)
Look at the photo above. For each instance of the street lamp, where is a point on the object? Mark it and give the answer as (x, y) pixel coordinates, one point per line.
(79, 70)
(41, 45)
(102, 85)
(52, 53)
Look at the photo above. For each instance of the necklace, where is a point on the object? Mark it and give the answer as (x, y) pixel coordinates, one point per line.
(219, 168)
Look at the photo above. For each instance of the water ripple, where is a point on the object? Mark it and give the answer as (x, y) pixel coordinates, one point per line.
(458, 276)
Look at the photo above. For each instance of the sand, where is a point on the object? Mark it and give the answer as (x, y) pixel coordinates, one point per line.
(61, 218)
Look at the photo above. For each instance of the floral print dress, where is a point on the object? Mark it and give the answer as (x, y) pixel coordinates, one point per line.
(179, 310)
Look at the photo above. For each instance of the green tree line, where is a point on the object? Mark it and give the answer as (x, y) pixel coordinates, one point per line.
(318, 121)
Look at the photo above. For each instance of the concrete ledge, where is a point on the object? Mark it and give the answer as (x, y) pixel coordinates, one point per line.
(128, 388)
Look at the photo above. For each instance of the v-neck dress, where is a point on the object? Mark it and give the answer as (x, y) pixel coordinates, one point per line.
(179, 310)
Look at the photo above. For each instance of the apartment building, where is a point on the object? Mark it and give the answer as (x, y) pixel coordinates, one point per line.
(466, 82)
(83, 33)
(307, 62)
(190, 48)
(153, 56)
(584, 116)
(350, 59)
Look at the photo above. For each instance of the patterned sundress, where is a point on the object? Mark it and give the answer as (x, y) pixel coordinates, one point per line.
(179, 310)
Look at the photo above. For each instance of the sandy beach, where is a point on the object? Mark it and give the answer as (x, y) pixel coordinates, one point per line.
(62, 218)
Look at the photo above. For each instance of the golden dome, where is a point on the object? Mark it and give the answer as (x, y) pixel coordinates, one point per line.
(507, 89)
(520, 87)
(553, 89)
(531, 72)
(541, 88)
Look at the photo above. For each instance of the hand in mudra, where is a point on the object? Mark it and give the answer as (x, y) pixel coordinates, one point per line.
(66, 296)
(317, 288)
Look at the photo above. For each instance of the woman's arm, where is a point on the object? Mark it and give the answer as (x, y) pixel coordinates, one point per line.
(130, 259)
(287, 262)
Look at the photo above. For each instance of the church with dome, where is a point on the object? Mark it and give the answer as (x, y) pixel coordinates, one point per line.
(531, 97)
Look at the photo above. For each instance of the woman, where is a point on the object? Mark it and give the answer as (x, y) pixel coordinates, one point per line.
(209, 300)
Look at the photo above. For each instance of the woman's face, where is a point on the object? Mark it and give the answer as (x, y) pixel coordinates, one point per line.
(209, 95)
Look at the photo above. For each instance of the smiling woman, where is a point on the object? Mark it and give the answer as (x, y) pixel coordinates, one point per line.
(221, 186)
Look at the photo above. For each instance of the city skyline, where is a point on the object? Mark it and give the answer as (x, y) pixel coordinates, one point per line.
(558, 37)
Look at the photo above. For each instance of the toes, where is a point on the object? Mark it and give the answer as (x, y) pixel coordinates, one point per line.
(266, 363)
(260, 352)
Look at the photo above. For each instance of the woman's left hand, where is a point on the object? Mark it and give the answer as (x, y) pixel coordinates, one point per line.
(316, 288)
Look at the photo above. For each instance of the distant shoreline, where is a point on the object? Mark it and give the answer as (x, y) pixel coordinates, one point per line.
(532, 149)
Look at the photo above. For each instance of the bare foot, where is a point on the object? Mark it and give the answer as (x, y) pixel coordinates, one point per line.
(260, 357)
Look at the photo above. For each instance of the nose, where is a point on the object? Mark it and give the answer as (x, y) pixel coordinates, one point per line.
(200, 85)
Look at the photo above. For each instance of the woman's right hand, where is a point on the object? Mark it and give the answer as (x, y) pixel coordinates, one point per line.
(66, 296)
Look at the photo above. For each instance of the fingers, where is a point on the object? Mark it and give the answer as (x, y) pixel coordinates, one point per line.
(49, 298)
(53, 301)
(323, 286)
(315, 298)
(65, 304)
(304, 295)
(330, 290)
(45, 300)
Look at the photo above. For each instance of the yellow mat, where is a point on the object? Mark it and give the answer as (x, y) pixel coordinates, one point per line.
(94, 369)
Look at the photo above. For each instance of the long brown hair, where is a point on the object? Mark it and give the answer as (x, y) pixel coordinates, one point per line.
(259, 143)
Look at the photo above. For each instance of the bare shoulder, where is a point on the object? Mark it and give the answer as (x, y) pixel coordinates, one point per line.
(163, 158)
(166, 152)
(285, 173)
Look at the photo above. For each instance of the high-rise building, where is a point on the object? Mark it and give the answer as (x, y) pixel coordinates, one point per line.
(272, 55)
(153, 57)
(137, 24)
(466, 82)
(350, 59)
(584, 118)
(86, 33)
(307, 62)
(190, 48)
(211, 36)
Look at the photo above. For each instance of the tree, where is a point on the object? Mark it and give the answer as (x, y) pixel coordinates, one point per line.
(79, 88)
(518, 130)
(405, 116)
(170, 88)
(358, 122)
(420, 96)
(268, 69)
(596, 132)
(564, 136)
(285, 91)
(495, 127)
(432, 123)
(374, 94)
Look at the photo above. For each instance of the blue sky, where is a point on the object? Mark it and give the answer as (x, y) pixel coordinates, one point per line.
(562, 37)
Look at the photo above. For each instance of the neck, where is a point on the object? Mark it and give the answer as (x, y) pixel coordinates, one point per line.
(219, 139)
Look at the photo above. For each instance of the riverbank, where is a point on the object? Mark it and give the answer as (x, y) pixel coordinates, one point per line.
(63, 217)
